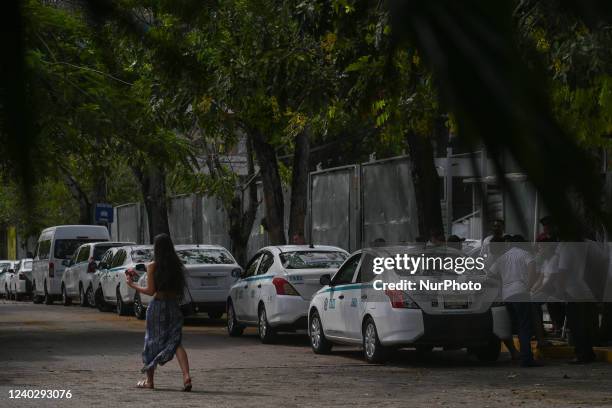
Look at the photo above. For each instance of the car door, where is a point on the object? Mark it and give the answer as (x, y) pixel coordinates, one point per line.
(257, 284)
(336, 296)
(116, 273)
(242, 298)
(102, 272)
(356, 298)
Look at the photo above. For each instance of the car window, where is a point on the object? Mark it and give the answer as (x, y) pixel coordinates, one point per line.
(142, 255)
(365, 273)
(43, 249)
(107, 257)
(65, 248)
(83, 254)
(347, 271)
(4, 266)
(199, 256)
(266, 262)
(118, 259)
(251, 267)
(312, 259)
(99, 251)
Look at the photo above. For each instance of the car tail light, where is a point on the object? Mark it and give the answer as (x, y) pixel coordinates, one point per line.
(51, 269)
(91, 268)
(21, 276)
(400, 300)
(283, 287)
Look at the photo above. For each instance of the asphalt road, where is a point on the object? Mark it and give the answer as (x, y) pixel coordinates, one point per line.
(97, 356)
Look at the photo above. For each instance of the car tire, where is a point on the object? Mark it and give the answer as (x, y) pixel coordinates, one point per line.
(318, 341)
(100, 302)
(66, 301)
(83, 302)
(122, 308)
(36, 299)
(48, 300)
(91, 296)
(234, 329)
(489, 352)
(140, 311)
(373, 351)
(266, 333)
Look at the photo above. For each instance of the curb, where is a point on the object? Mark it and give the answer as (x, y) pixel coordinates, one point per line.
(563, 351)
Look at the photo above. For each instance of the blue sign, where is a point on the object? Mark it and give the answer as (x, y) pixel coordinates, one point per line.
(104, 213)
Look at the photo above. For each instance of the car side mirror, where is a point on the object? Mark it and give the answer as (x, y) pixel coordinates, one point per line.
(325, 280)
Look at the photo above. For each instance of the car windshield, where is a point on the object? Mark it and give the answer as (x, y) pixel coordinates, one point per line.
(65, 248)
(27, 265)
(312, 259)
(100, 250)
(195, 256)
(142, 255)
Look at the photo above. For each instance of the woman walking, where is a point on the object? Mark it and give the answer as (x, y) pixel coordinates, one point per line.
(165, 282)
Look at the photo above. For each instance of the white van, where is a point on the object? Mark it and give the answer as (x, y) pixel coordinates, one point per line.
(56, 246)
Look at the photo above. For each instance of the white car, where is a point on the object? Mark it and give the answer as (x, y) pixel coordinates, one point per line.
(56, 245)
(274, 291)
(210, 271)
(7, 268)
(78, 278)
(20, 282)
(112, 288)
(348, 310)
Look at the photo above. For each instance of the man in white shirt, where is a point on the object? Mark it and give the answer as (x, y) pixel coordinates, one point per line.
(497, 230)
(516, 268)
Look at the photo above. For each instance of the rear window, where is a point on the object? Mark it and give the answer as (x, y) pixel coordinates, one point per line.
(65, 248)
(312, 259)
(196, 256)
(142, 255)
(100, 250)
(5, 266)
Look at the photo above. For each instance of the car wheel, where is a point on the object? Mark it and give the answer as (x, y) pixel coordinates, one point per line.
(139, 310)
(122, 308)
(372, 349)
(215, 315)
(35, 298)
(489, 352)
(91, 296)
(233, 328)
(264, 330)
(318, 341)
(66, 301)
(47, 299)
(83, 302)
(100, 302)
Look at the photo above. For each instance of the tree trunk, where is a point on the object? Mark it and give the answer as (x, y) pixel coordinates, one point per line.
(299, 187)
(426, 184)
(272, 189)
(85, 207)
(241, 223)
(153, 186)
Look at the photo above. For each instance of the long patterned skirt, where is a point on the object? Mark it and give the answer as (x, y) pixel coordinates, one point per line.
(164, 332)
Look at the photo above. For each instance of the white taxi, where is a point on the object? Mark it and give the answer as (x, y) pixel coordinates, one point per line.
(210, 271)
(274, 290)
(112, 287)
(7, 268)
(349, 310)
(20, 282)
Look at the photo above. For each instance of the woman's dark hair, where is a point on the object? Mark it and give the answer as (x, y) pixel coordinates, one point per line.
(169, 270)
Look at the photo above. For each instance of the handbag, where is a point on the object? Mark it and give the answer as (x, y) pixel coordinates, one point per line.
(188, 309)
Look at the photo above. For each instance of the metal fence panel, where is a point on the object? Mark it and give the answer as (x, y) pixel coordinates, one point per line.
(129, 223)
(333, 211)
(215, 224)
(388, 202)
(182, 218)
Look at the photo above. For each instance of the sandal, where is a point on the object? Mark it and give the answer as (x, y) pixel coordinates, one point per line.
(144, 384)
(187, 386)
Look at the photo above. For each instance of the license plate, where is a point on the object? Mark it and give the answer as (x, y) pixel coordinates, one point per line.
(208, 282)
(456, 304)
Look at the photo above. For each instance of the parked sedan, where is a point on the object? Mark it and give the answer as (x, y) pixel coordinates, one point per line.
(350, 309)
(7, 268)
(78, 281)
(210, 271)
(112, 288)
(275, 289)
(20, 282)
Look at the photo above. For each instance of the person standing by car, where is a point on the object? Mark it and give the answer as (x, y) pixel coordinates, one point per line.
(164, 329)
(516, 267)
(497, 235)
